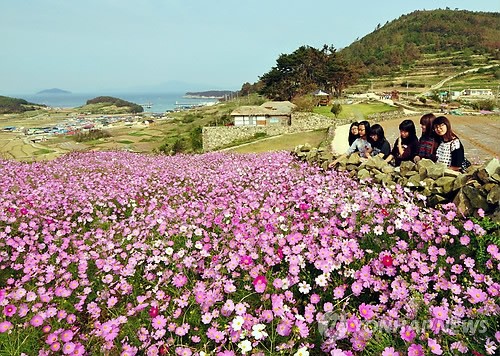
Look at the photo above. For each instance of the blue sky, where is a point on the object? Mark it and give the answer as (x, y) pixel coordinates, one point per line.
(143, 45)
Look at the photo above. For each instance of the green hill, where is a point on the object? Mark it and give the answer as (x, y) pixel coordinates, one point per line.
(10, 105)
(400, 43)
(110, 105)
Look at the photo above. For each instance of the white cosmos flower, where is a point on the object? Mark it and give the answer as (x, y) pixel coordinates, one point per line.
(258, 331)
(237, 323)
(245, 346)
(302, 352)
(304, 287)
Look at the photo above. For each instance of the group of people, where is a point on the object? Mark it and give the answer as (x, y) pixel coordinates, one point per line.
(438, 142)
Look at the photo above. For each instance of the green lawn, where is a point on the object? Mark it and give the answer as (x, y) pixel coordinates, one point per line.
(359, 111)
(282, 143)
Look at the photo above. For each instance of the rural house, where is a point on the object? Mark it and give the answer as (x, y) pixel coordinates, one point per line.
(270, 113)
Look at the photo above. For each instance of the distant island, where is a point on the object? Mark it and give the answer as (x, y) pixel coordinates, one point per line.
(54, 91)
(216, 94)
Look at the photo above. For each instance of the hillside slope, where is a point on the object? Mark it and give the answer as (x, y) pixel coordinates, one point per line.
(404, 40)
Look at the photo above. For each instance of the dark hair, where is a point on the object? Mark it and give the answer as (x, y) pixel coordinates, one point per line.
(427, 120)
(366, 124)
(352, 137)
(409, 126)
(449, 135)
(379, 131)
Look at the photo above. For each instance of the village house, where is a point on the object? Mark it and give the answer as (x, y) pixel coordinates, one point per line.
(477, 92)
(270, 113)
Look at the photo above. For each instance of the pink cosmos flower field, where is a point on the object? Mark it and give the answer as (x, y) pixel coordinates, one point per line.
(222, 254)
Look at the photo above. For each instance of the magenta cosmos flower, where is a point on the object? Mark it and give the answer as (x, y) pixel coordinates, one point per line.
(260, 283)
(9, 310)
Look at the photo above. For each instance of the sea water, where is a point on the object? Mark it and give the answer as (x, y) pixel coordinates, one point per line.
(152, 102)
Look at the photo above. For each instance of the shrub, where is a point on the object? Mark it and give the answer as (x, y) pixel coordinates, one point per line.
(91, 135)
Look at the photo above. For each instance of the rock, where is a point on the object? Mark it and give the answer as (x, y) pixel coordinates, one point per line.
(351, 167)
(446, 183)
(461, 181)
(495, 178)
(436, 170)
(463, 204)
(436, 199)
(451, 173)
(388, 169)
(411, 173)
(363, 174)
(414, 180)
(424, 163)
(483, 176)
(492, 166)
(376, 162)
(477, 200)
(354, 159)
(493, 196)
(405, 167)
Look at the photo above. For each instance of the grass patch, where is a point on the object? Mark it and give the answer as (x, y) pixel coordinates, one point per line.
(125, 142)
(358, 111)
(138, 133)
(42, 151)
(284, 142)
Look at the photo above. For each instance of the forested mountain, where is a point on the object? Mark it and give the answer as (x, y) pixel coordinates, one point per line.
(406, 39)
(395, 46)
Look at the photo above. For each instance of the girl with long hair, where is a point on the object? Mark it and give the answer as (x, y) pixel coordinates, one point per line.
(406, 145)
(450, 150)
(427, 144)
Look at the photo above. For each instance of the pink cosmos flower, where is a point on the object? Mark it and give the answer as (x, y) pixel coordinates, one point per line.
(5, 326)
(67, 335)
(434, 346)
(56, 346)
(68, 348)
(159, 322)
(36, 320)
(389, 351)
(407, 333)
(366, 311)
(260, 283)
(440, 312)
(476, 295)
(9, 310)
(353, 324)
(415, 350)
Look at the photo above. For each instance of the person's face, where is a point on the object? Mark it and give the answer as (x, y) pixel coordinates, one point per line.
(354, 130)
(404, 134)
(440, 129)
(374, 137)
(361, 130)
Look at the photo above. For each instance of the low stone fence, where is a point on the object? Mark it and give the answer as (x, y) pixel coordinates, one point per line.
(478, 188)
(216, 137)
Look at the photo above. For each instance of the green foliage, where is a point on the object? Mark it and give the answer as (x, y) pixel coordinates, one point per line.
(305, 70)
(259, 135)
(406, 39)
(91, 135)
(13, 105)
(305, 103)
(133, 108)
(336, 109)
(484, 105)
(173, 148)
(196, 138)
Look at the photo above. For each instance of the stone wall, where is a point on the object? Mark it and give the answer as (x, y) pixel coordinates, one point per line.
(477, 188)
(220, 136)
